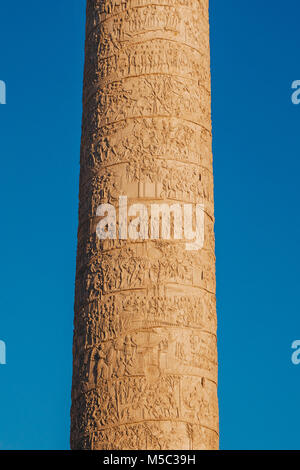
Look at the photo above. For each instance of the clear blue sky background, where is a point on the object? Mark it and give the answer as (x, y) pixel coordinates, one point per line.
(255, 58)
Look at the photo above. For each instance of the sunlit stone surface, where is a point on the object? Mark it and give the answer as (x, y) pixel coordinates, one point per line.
(145, 349)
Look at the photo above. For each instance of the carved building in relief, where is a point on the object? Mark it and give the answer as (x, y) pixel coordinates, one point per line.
(145, 348)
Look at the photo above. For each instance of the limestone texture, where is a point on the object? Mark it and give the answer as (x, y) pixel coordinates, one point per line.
(145, 345)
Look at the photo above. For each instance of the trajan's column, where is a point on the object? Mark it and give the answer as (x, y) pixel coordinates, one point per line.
(145, 349)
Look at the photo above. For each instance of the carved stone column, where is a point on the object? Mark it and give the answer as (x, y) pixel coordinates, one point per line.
(145, 349)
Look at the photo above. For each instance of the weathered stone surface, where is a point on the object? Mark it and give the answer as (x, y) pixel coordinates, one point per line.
(145, 350)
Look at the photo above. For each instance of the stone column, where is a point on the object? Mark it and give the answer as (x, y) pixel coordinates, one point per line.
(145, 349)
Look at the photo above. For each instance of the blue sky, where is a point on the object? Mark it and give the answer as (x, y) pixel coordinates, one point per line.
(255, 59)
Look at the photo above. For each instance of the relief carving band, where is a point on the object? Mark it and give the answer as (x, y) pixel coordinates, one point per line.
(145, 346)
